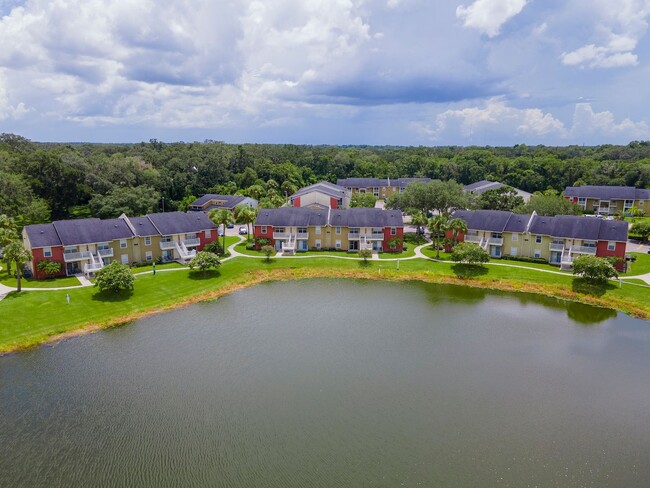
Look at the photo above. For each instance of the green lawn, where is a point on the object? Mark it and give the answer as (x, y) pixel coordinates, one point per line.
(32, 283)
(410, 251)
(641, 265)
(30, 317)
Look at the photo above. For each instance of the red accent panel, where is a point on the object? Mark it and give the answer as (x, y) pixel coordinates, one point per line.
(334, 203)
(296, 202)
(38, 255)
(257, 233)
(619, 252)
(399, 232)
(207, 240)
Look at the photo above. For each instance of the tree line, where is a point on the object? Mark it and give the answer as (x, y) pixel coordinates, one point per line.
(40, 182)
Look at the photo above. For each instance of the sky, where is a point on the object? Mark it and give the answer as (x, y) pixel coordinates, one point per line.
(376, 72)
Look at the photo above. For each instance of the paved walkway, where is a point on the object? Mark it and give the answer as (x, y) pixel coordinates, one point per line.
(418, 254)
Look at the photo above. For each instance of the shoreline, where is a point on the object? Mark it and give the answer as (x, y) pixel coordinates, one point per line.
(259, 277)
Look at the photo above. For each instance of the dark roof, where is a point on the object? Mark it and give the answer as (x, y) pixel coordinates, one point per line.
(403, 182)
(579, 227)
(291, 217)
(323, 187)
(349, 217)
(143, 226)
(42, 235)
(483, 186)
(169, 223)
(230, 201)
(608, 192)
(87, 231)
(517, 223)
(490, 220)
(366, 217)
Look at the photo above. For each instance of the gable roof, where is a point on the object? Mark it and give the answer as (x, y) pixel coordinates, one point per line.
(366, 217)
(483, 186)
(143, 226)
(324, 187)
(169, 223)
(349, 217)
(488, 220)
(608, 192)
(88, 231)
(42, 235)
(377, 182)
(291, 217)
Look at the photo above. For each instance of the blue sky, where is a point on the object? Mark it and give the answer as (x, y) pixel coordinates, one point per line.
(395, 72)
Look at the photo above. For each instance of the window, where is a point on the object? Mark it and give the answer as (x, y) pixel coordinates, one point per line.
(640, 203)
(318, 230)
(611, 246)
(340, 201)
(147, 241)
(513, 251)
(393, 231)
(338, 244)
(538, 253)
(317, 243)
(208, 233)
(515, 237)
(263, 229)
(582, 201)
(302, 230)
(338, 230)
(538, 240)
(122, 243)
(148, 256)
(47, 252)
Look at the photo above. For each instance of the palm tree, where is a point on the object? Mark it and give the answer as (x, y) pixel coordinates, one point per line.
(246, 215)
(457, 226)
(222, 216)
(437, 226)
(418, 219)
(8, 234)
(18, 254)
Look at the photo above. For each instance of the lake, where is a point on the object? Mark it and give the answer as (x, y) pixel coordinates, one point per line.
(327, 383)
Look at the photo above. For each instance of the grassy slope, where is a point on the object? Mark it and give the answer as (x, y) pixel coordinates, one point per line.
(169, 289)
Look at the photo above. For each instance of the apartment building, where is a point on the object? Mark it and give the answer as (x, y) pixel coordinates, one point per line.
(380, 187)
(608, 200)
(482, 186)
(229, 202)
(321, 195)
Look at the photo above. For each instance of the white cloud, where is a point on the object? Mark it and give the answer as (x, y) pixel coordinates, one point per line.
(586, 122)
(619, 27)
(7, 110)
(488, 16)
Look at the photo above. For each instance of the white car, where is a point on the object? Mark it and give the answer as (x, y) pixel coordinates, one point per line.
(243, 231)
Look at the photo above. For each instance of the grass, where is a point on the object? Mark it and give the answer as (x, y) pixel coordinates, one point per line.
(641, 265)
(397, 255)
(30, 318)
(32, 283)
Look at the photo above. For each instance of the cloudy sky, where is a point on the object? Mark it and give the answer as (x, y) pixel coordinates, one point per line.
(398, 72)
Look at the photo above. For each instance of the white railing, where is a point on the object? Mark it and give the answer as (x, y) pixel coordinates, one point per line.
(354, 236)
(302, 235)
(76, 256)
(583, 249)
(281, 235)
(183, 251)
(165, 245)
(192, 242)
(556, 247)
(474, 239)
(376, 236)
(603, 209)
(495, 241)
(105, 253)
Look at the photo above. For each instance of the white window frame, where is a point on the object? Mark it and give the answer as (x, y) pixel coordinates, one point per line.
(208, 233)
(337, 244)
(47, 252)
(611, 245)
(317, 243)
(148, 256)
(122, 243)
(147, 240)
(393, 231)
(338, 230)
(318, 229)
(263, 229)
(538, 239)
(538, 253)
(515, 237)
(513, 251)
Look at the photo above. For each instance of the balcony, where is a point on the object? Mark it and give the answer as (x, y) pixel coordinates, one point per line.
(495, 241)
(602, 210)
(166, 245)
(105, 253)
(354, 236)
(302, 235)
(192, 242)
(375, 236)
(583, 250)
(474, 239)
(281, 235)
(556, 247)
(69, 257)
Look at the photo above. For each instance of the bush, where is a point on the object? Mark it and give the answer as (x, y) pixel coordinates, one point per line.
(49, 267)
(525, 259)
(594, 269)
(469, 253)
(268, 251)
(213, 247)
(114, 277)
(205, 260)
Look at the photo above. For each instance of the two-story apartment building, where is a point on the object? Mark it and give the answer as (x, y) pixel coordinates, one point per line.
(480, 187)
(608, 200)
(229, 202)
(380, 187)
(321, 195)
(558, 240)
(87, 245)
(291, 229)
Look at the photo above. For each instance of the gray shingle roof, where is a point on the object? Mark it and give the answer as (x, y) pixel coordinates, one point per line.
(169, 223)
(230, 201)
(577, 227)
(323, 187)
(485, 220)
(403, 182)
(351, 217)
(608, 192)
(143, 226)
(87, 231)
(377, 182)
(291, 217)
(42, 235)
(483, 186)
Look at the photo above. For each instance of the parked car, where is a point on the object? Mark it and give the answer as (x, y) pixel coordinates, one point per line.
(220, 231)
(230, 226)
(243, 231)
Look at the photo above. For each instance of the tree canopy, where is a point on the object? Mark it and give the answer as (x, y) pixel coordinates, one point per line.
(114, 277)
(594, 269)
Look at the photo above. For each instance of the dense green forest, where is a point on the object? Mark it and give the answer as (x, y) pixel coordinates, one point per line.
(41, 182)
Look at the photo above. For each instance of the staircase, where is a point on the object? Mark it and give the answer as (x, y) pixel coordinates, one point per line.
(289, 246)
(94, 265)
(185, 254)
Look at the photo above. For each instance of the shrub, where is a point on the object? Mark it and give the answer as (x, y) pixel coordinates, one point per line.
(594, 269)
(469, 253)
(205, 260)
(114, 277)
(524, 259)
(212, 247)
(49, 267)
(268, 250)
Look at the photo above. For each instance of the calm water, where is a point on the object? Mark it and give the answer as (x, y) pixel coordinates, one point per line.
(337, 383)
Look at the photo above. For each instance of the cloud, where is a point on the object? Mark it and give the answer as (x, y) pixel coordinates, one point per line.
(617, 30)
(586, 122)
(7, 110)
(487, 16)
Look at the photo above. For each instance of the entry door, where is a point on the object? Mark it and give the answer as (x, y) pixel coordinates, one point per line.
(125, 259)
